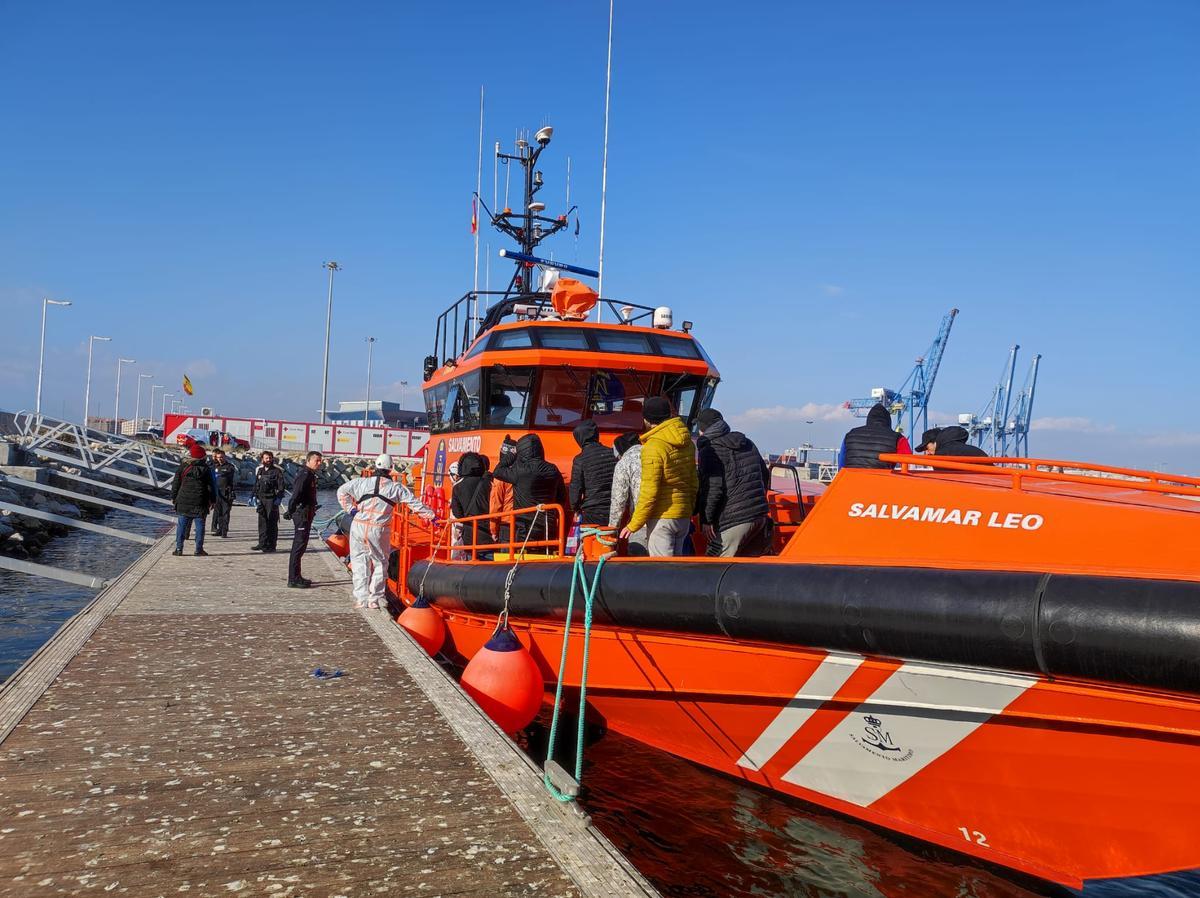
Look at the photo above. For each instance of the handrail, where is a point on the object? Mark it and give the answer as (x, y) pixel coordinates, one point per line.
(402, 538)
(1022, 469)
(512, 545)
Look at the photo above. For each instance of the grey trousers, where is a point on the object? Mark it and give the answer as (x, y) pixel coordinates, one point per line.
(732, 538)
(667, 536)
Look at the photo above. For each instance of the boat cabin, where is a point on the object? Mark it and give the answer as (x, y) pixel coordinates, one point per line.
(532, 368)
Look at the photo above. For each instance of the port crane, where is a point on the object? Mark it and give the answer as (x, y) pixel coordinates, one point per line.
(1002, 428)
(911, 399)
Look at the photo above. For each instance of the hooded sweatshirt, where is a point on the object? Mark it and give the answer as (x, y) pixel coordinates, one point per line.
(953, 441)
(863, 445)
(535, 482)
(733, 478)
(669, 481)
(591, 475)
(471, 496)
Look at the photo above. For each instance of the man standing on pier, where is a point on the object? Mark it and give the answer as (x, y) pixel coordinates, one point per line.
(268, 490)
(192, 496)
(300, 511)
(370, 501)
(224, 480)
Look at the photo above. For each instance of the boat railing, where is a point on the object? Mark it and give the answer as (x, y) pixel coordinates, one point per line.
(414, 539)
(477, 311)
(1018, 471)
(554, 543)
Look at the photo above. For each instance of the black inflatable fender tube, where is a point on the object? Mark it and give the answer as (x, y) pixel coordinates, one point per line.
(1129, 631)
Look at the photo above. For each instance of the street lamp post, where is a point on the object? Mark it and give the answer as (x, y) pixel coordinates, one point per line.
(153, 399)
(117, 404)
(137, 409)
(165, 397)
(87, 391)
(367, 407)
(37, 405)
(332, 266)
(403, 392)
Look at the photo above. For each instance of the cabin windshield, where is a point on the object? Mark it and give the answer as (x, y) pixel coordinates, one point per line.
(518, 398)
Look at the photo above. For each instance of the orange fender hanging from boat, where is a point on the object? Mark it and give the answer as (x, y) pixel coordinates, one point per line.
(505, 681)
(339, 544)
(424, 624)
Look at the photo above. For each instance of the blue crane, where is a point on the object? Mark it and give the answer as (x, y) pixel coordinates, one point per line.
(1002, 428)
(1023, 411)
(988, 428)
(912, 397)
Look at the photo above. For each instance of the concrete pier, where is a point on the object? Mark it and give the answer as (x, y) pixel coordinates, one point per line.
(172, 740)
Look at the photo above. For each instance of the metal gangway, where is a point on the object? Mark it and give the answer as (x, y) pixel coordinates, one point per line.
(95, 450)
(92, 452)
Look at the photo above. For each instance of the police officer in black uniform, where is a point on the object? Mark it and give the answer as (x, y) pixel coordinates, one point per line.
(224, 480)
(300, 511)
(269, 488)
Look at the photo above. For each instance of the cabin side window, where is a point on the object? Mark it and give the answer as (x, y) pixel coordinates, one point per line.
(688, 394)
(454, 405)
(435, 401)
(509, 392)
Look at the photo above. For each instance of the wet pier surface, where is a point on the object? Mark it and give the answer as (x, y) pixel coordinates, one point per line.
(172, 740)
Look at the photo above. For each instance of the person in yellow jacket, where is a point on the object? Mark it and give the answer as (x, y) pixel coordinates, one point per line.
(669, 483)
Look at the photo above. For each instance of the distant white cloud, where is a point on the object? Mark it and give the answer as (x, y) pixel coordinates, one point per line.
(833, 289)
(1071, 425)
(777, 414)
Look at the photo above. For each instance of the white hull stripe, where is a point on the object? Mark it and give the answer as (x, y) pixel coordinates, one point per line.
(881, 745)
(830, 676)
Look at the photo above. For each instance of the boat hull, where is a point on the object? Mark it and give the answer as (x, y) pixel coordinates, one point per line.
(1065, 781)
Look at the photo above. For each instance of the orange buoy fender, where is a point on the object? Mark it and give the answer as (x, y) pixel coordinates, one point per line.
(424, 624)
(339, 543)
(505, 681)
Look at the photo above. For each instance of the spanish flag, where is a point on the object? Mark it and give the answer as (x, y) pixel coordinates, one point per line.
(187, 386)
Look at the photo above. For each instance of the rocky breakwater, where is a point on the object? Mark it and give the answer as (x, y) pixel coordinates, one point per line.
(23, 536)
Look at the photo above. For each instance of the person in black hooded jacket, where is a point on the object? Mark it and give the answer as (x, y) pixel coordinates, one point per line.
(471, 496)
(591, 475)
(535, 482)
(949, 441)
(733, 488)
(862, 446)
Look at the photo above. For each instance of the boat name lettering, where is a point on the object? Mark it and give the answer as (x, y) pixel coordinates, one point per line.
(963, 517)
(463, 444)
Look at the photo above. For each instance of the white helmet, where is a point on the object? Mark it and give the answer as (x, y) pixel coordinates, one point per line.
(383, 462)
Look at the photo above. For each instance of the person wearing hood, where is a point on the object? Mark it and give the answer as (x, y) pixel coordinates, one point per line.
(627, 482)
(591, 475)
(733, 489)
(370, 502)
(192, 494)
(535, 482)
(501, 499)
(949, 441)
(472, 496)
(862, 446)
(667, 493)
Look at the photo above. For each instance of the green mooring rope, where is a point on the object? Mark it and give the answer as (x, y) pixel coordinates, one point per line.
(578, 578)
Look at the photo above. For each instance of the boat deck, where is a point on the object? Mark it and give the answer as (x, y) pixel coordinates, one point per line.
(171, 739)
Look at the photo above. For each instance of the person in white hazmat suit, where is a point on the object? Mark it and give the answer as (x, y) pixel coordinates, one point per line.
(370, 502)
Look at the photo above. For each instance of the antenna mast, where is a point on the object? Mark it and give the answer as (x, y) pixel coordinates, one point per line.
(604, 163)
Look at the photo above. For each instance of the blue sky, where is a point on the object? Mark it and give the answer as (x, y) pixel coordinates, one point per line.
(813, 184)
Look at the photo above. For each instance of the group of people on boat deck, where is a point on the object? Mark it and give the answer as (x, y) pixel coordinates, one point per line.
(647, 487)
(863, 445)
